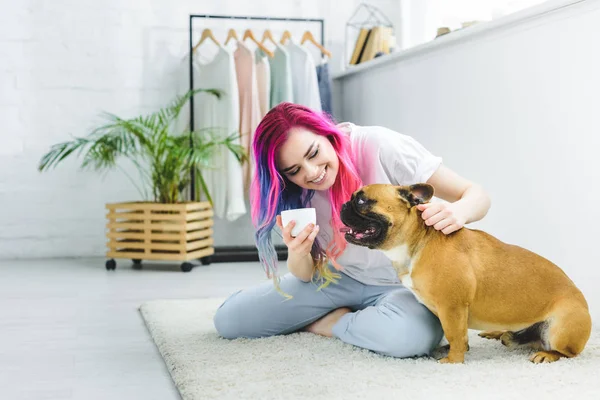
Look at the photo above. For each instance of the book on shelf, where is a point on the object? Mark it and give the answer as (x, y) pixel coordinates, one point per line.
(363, 35)
(371, 43)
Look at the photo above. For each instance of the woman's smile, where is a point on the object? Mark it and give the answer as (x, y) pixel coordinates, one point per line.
(308, 160)
(321, 177)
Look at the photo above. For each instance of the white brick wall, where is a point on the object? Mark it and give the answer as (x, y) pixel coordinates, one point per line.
(64, 61)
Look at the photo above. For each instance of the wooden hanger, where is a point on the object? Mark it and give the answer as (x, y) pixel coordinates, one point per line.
(231, 35)
(249, 35)
(285, 37)
(309, 36)
(206, 34)
(268, 35)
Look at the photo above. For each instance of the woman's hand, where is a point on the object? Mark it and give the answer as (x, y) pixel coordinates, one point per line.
(443, 216)
(300, 245)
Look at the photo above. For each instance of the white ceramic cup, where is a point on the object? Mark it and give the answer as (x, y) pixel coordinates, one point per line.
(302, 216)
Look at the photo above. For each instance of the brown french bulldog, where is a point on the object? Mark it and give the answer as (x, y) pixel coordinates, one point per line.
(470, 279)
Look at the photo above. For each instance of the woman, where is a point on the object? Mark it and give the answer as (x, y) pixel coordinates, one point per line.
(303, 159)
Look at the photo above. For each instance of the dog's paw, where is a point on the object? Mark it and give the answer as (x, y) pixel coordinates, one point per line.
(440, 352)
(544, 357)
(495, 335)
(507, 339)
(452, 360)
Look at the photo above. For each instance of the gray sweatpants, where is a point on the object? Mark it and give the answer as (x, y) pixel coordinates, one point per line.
(385, 319)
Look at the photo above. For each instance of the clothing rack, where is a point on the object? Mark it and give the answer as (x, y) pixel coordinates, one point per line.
(235, 253)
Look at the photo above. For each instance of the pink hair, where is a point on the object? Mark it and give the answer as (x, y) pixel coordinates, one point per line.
(272, 193)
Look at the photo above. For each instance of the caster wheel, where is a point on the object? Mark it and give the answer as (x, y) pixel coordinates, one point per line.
(187, 267)
(205, 260)
(111, 264)
(137, 263)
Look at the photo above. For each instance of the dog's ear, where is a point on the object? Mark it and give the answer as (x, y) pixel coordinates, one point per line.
(416, 194)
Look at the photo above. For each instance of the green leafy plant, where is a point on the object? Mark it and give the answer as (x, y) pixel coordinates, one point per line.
(163, 158)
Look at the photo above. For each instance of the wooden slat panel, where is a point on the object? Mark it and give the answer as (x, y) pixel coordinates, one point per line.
(130, 216)
(192, 226)
(198, 234)
(189, 206)
(147, 230)
(167, 217)
(161, 236)
(144, 236)
(113, 244)
(126, 235)
(154, 227)
(199, 215)
(199, 244)
(165, 226)
(146, 206)
(201, 205)
(194, 255)
(183, 240)
(121, 225)
(147, 216)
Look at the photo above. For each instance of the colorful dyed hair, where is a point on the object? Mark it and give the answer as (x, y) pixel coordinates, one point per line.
(271, 193)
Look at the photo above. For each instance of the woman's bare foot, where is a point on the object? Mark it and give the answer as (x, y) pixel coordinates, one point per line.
(324, 326)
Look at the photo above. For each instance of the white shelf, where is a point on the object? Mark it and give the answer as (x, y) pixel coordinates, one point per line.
(462, 36)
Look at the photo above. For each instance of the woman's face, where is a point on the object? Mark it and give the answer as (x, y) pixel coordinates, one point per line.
(308, 160)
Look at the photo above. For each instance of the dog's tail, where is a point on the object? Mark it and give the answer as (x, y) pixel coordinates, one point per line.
(531, 334)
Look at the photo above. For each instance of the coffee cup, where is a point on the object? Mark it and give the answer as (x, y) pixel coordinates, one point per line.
(302, 216)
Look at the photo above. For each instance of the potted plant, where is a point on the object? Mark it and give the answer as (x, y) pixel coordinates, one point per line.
(163, 226)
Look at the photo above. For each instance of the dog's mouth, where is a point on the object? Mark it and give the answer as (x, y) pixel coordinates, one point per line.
(359, 234)
(364, 231)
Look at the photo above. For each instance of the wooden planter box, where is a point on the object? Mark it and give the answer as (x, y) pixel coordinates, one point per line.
(154, 231)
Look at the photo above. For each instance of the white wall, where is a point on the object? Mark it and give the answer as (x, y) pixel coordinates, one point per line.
(64, 61)
(420, 19)
(516, 110)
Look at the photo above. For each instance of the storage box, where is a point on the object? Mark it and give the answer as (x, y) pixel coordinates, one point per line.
(154, 231)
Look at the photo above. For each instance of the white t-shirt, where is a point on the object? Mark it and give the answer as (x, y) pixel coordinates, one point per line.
(380, 156)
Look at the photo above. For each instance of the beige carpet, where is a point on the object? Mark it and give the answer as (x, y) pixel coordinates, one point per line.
(305, 366)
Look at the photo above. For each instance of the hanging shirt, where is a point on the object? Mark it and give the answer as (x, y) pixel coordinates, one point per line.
(304, 77)
(219, 117)
(380, 155)
(248, 103)
(281, 77)
(263, 81)
(324, 87)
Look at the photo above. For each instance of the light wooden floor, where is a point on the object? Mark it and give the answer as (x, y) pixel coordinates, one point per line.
(69, 329)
